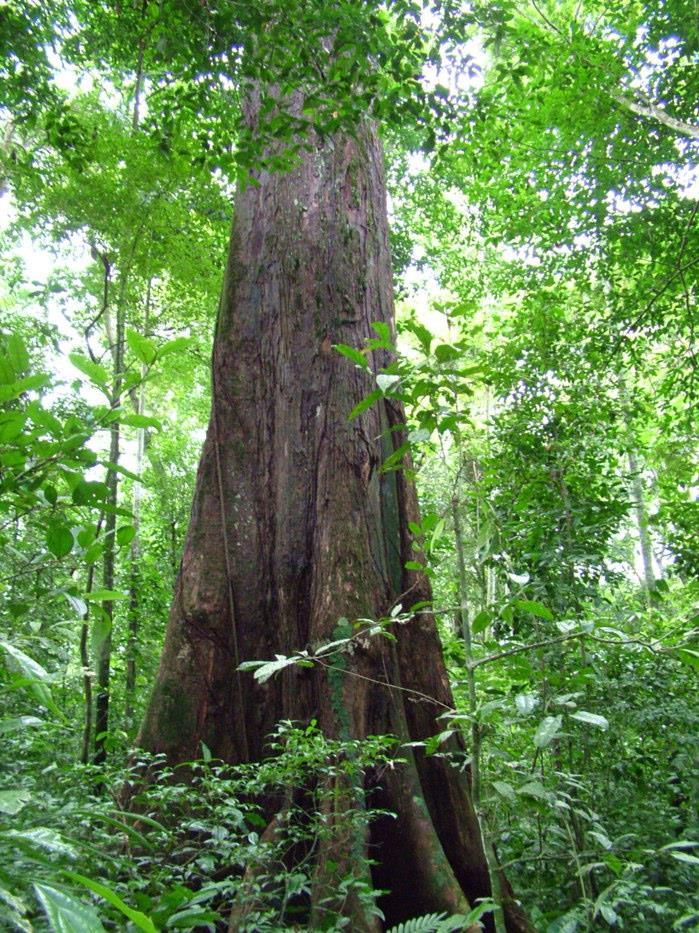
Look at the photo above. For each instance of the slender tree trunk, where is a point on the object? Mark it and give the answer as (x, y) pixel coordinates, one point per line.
(294, 526)
(135, 553)
(85, 662)
(104, 649)
(639, 506)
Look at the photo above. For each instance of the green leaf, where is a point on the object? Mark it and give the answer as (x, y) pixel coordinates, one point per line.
(105, 595)
(14, 359)
(15, 389)
(12, 801)
(23, 663)
(365, 403)
(609, 914)
(77, 604)
(689, 656)
(481, 621)
(125, 535)
(526, 703)
(547, 731)
(175, 346)
(505, 790)
(59, 540)
(101, 629)
(95, 372)
(534, 608)
(18, 910)
(66, 913)
(384, 332)
(41, 837)
(270, 668)
(592, 718)
(385, 381)
(534, 789)
(89, 492)
(19, 723)
(685, 857)
(135, 916)
(142, 347)
(356, 356)
(446, 353)
(132, 833)
(141, 421)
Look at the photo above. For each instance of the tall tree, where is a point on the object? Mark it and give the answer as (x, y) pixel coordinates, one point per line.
(295, 526)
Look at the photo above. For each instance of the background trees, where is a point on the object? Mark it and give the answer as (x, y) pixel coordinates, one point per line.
(548, 377)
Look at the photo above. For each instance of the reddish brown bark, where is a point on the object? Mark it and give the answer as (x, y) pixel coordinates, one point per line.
(294, 526)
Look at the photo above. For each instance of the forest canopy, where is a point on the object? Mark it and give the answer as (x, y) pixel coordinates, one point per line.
(539, 388)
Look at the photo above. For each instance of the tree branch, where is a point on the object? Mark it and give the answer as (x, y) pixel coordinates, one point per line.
(655, 112)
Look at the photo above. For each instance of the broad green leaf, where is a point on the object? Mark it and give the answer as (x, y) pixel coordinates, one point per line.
(526, 703)
(384, 332)
(12, 801)
(41, 837)
(135, 916)
(59, 540)
(386, 381)
(481, 621)
(18, 907)
(89, 492)
(175, 346)
(603, 840)
(609, 914)
(689, 656)
(351, 353)
(270, 668)
(15, 389)
(592, 718)
(101, 629)
(141, 421)
(105, 595)
(23, 663)
(685, 857)
(125, 535)
(19, 723)
(78, 605)
(142, 347)
(11, 424)
(446, 353)
(365, 403)
(534, 608)
(521, 579)
(547, 731)
(95, 372)
(505, 790)
(14, 359)
(66, 913)
(534, 789)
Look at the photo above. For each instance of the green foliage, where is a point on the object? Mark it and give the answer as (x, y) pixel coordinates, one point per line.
(555, 229)
(160, 876)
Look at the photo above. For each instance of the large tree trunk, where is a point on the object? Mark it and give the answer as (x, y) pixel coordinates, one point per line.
(294, 526)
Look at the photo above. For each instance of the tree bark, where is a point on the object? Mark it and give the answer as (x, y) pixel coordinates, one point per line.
(294, 526)
(104, 649)
(642, 526)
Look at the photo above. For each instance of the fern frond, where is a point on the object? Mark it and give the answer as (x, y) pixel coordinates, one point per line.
(425, 924)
